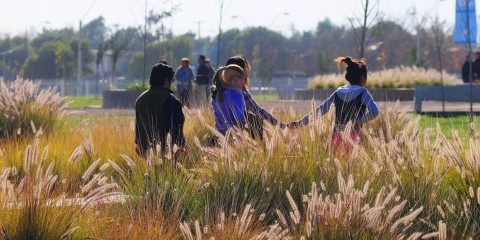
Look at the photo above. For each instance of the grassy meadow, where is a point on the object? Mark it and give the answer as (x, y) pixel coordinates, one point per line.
(412, 177)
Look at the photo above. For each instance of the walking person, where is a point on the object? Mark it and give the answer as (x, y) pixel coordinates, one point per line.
(227, 99)
(203, 80)
(157, 113)
(255, 114)
(466, 69)
(211, 74)
(184, 76)
(353, 103)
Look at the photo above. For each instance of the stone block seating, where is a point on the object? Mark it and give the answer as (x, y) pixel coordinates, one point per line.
(456, 93)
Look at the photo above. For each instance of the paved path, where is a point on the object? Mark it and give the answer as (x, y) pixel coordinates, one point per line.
(304, 107)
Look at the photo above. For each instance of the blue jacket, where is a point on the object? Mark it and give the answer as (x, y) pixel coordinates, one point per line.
(348, 93)
(230, 111)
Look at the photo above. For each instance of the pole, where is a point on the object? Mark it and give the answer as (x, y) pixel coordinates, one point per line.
(199, 23)
(163, 42)
(470, 70)
(417, 52)
(144, 47)
(79, 57)
(219, 33)
(4, 67)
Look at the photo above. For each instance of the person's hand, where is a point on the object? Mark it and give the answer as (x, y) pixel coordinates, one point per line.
(293, 125)
(357, 126)
(137, 150)
(181, 152)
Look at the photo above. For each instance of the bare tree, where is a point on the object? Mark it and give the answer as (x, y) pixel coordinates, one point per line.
(101, 49)
(437, 32)
(118, 44)
(361, 24)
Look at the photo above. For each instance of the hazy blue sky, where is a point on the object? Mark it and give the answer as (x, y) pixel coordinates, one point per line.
(18, 16)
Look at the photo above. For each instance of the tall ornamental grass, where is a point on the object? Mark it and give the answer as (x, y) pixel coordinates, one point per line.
(401, 182)
(35, 203)
(25, 108)
(399, 77)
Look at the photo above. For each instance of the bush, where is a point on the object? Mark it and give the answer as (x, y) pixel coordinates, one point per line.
(137, 86)
(24, 108)
(400, 77)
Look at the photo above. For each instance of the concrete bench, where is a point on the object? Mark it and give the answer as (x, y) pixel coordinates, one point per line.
(120, 99)
(457, 93)
(379, 94)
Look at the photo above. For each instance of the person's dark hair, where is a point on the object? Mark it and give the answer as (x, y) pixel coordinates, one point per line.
(160, 73)
(163, 61)
(241, 61)
(223, 78)
(217, 82)
(355, 69)
(202, 57)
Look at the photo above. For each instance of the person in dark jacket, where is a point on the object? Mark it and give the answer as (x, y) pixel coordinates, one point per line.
(466, 69)
(203, 80)
(157, 113)
(476, 67)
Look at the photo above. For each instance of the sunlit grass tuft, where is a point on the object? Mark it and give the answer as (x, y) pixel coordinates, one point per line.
(399, 77)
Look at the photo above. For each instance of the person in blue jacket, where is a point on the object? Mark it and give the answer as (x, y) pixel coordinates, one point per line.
(353, 103)
(227, 100)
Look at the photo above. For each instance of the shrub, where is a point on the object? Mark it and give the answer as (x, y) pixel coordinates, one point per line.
(137, 86)
(399, 77)
(36, 204)
(24, 108)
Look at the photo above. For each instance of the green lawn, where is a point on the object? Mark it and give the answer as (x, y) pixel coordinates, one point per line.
(264, 98)
(83, 101)
(461, 123)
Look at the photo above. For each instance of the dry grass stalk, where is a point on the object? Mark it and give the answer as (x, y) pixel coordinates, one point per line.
(396, 77)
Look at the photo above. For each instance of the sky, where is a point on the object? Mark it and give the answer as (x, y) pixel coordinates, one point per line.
(20, 16)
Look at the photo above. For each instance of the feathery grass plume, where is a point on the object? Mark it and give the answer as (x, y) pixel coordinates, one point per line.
(347, 214)
(186, 232)
(75, 155)
(129, 161)
(24, 106)
(198, 231)
(35, 204)
(116, 167)
(243, 226)
(406, 220)
(90, 169)
(415, 236)
(431, 235)
(399, 77)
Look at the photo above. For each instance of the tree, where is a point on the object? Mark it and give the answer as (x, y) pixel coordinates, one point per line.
(118, 44)
(42, 65)
(14, 54)
(64, 57)
(437, 32)
(150, 20)
(361, 24)
(102, 47)
(95, 32)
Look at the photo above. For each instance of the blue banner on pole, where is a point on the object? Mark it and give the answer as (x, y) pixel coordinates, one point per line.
(465, 22)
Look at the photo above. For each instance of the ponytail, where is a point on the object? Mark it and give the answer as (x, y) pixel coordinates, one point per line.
(217, 82)
(355, 69)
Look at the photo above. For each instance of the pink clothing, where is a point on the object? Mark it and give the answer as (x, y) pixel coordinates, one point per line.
(338, 141)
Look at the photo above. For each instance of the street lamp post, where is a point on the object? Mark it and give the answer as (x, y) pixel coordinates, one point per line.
(276, 17)
(4, 54)
(241, 18)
